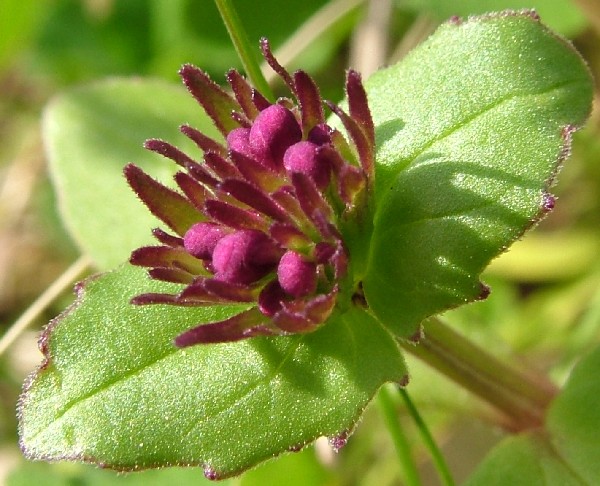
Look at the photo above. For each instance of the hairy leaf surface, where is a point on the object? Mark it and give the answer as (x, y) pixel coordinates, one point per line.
(471, 128)
(114, 390)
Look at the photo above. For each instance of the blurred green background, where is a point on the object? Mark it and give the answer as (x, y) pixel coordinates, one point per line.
(545, 303)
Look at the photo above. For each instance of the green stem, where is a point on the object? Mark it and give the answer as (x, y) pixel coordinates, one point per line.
(436, 454)
(390, 415)
(242, 46)
(521, 397)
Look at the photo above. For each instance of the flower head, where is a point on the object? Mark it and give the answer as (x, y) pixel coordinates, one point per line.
(257, 222)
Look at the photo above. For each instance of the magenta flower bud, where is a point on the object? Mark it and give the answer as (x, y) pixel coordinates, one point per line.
(273, 131)
(244, 257)
(304, 157)
(201, 239)
(270, 203)
(296, 276)
(238, 140)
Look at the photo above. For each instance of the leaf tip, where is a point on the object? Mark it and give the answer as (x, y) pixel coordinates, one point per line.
(484, 291)
(403, 382)
(417, 336)
(531, 13)
(455, 20)
(211, 474)
(338, 441)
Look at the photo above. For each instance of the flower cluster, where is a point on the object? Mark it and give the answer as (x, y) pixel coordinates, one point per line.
(257, 221)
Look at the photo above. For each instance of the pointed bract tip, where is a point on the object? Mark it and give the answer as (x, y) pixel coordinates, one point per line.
(131, 170)
(359, 105)
(216, 102)
(186, 69)
(264, 43)
(265, 48)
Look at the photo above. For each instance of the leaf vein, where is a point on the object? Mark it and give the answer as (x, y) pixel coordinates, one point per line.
(471, 118)
(245, 393)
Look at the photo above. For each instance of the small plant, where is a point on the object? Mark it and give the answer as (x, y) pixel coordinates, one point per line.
(302, 254)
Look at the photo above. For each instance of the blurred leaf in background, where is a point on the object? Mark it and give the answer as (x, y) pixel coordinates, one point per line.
(81, 40)
(18, 22)
(560, 15)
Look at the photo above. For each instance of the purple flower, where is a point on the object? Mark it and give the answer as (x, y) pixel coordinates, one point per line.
(258, 221)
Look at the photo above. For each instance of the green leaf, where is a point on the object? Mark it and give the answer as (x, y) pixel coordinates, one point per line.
(90, 133)
(566, 452)
(573, 419)
(470, 130)
(19, 19)
(525, 460)
(114, 390)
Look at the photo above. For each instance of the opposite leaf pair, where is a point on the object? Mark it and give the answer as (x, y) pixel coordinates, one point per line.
(469, 131)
